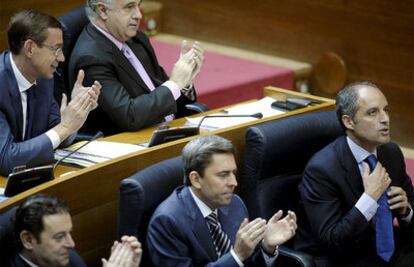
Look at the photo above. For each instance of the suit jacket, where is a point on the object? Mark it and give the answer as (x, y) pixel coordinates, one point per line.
(331, 186)
(37, 149)
(74, 260)
(178, 234)
(125, 103)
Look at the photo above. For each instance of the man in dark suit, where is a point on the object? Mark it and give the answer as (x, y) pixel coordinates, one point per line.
(358, 182)
(136, 92)
(43, 231)
(204, 224)
(30, 120)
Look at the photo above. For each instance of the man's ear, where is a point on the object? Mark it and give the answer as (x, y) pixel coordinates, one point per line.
(348, 122)
(27, 239)
(28, 47)
(102, 10)
(194, 178)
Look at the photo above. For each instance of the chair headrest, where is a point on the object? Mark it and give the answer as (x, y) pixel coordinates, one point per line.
(290, 141)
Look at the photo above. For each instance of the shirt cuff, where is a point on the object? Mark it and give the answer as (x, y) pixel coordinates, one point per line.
(269, 259)
(189, 92)
(409, 216)
(174, 88)
(54, 138)
(367, 206)
(239, 262)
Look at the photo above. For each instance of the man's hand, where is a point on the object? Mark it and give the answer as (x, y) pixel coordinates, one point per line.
(398, 201)
(74, 114)
(377, 182)
(183, 69)
(125, 254)
(188, 65)
(93, 90)
(278, 231)
(248, 236)
(198, 56)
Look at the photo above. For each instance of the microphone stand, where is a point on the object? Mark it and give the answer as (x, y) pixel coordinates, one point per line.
(98, 135)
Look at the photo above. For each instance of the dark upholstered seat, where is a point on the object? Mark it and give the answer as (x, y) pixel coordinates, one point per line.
(276, 154)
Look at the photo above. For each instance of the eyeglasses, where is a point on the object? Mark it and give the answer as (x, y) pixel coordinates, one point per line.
(57, 50)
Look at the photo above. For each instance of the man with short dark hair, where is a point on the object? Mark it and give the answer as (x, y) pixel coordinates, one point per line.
(43, 230)
(203, 223)
(136, 92)
(31, 124)
(354, 188)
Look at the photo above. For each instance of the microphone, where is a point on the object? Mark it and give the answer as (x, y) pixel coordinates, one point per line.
(98, 135)
(257, 115)
(22, 179)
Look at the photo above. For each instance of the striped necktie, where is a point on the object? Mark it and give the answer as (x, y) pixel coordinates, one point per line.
(220, 238)
(383, 226)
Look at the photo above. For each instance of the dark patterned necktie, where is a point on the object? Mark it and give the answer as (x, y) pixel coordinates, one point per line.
(30, 110)
(220, 238)
(384, 230)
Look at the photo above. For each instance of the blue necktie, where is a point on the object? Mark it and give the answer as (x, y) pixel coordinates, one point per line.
(31, 102)
(384, 230)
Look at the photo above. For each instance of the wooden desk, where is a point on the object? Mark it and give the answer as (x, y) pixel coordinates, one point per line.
(92, 193)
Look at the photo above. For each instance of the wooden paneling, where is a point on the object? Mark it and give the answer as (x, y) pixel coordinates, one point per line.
(375, 38)
(52, 7)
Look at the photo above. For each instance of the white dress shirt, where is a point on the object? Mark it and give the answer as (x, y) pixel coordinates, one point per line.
(24, 85)
(366, 204)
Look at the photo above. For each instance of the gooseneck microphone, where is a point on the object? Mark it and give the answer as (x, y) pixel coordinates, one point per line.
(98, 135)
(258, 115)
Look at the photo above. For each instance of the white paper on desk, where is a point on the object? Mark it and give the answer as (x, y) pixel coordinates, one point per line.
(218, 123)
(263, 106)
(96, 152)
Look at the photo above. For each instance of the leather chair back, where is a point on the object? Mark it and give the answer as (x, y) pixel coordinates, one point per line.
(141, 194)
(276, 154)
(73, 23)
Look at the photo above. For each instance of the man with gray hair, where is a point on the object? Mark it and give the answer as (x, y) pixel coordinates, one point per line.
(355, 187)
(136, 92)
(203, 223)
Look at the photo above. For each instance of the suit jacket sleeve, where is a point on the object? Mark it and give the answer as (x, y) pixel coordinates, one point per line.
(32, 152)
(336, 229)
(167, 244)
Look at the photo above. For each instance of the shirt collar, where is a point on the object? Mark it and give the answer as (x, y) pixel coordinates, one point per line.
(22, 82)
(111, 38)
(360, 154)
(31, 264)
(205, 210)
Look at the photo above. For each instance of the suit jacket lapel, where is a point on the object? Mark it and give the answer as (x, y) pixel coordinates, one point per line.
(118, 57)
(139, 49)
(124, 63)
(14, 92)
(353, 176)
(198, 224)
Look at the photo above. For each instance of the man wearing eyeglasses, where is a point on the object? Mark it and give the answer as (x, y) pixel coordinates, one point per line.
(31, 124)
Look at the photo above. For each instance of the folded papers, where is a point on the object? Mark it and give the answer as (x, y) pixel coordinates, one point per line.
(95, 152)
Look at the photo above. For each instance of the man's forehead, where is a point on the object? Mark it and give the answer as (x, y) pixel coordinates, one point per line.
(56, 222)
(368, 94)
(126, 2)
(54, 35)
